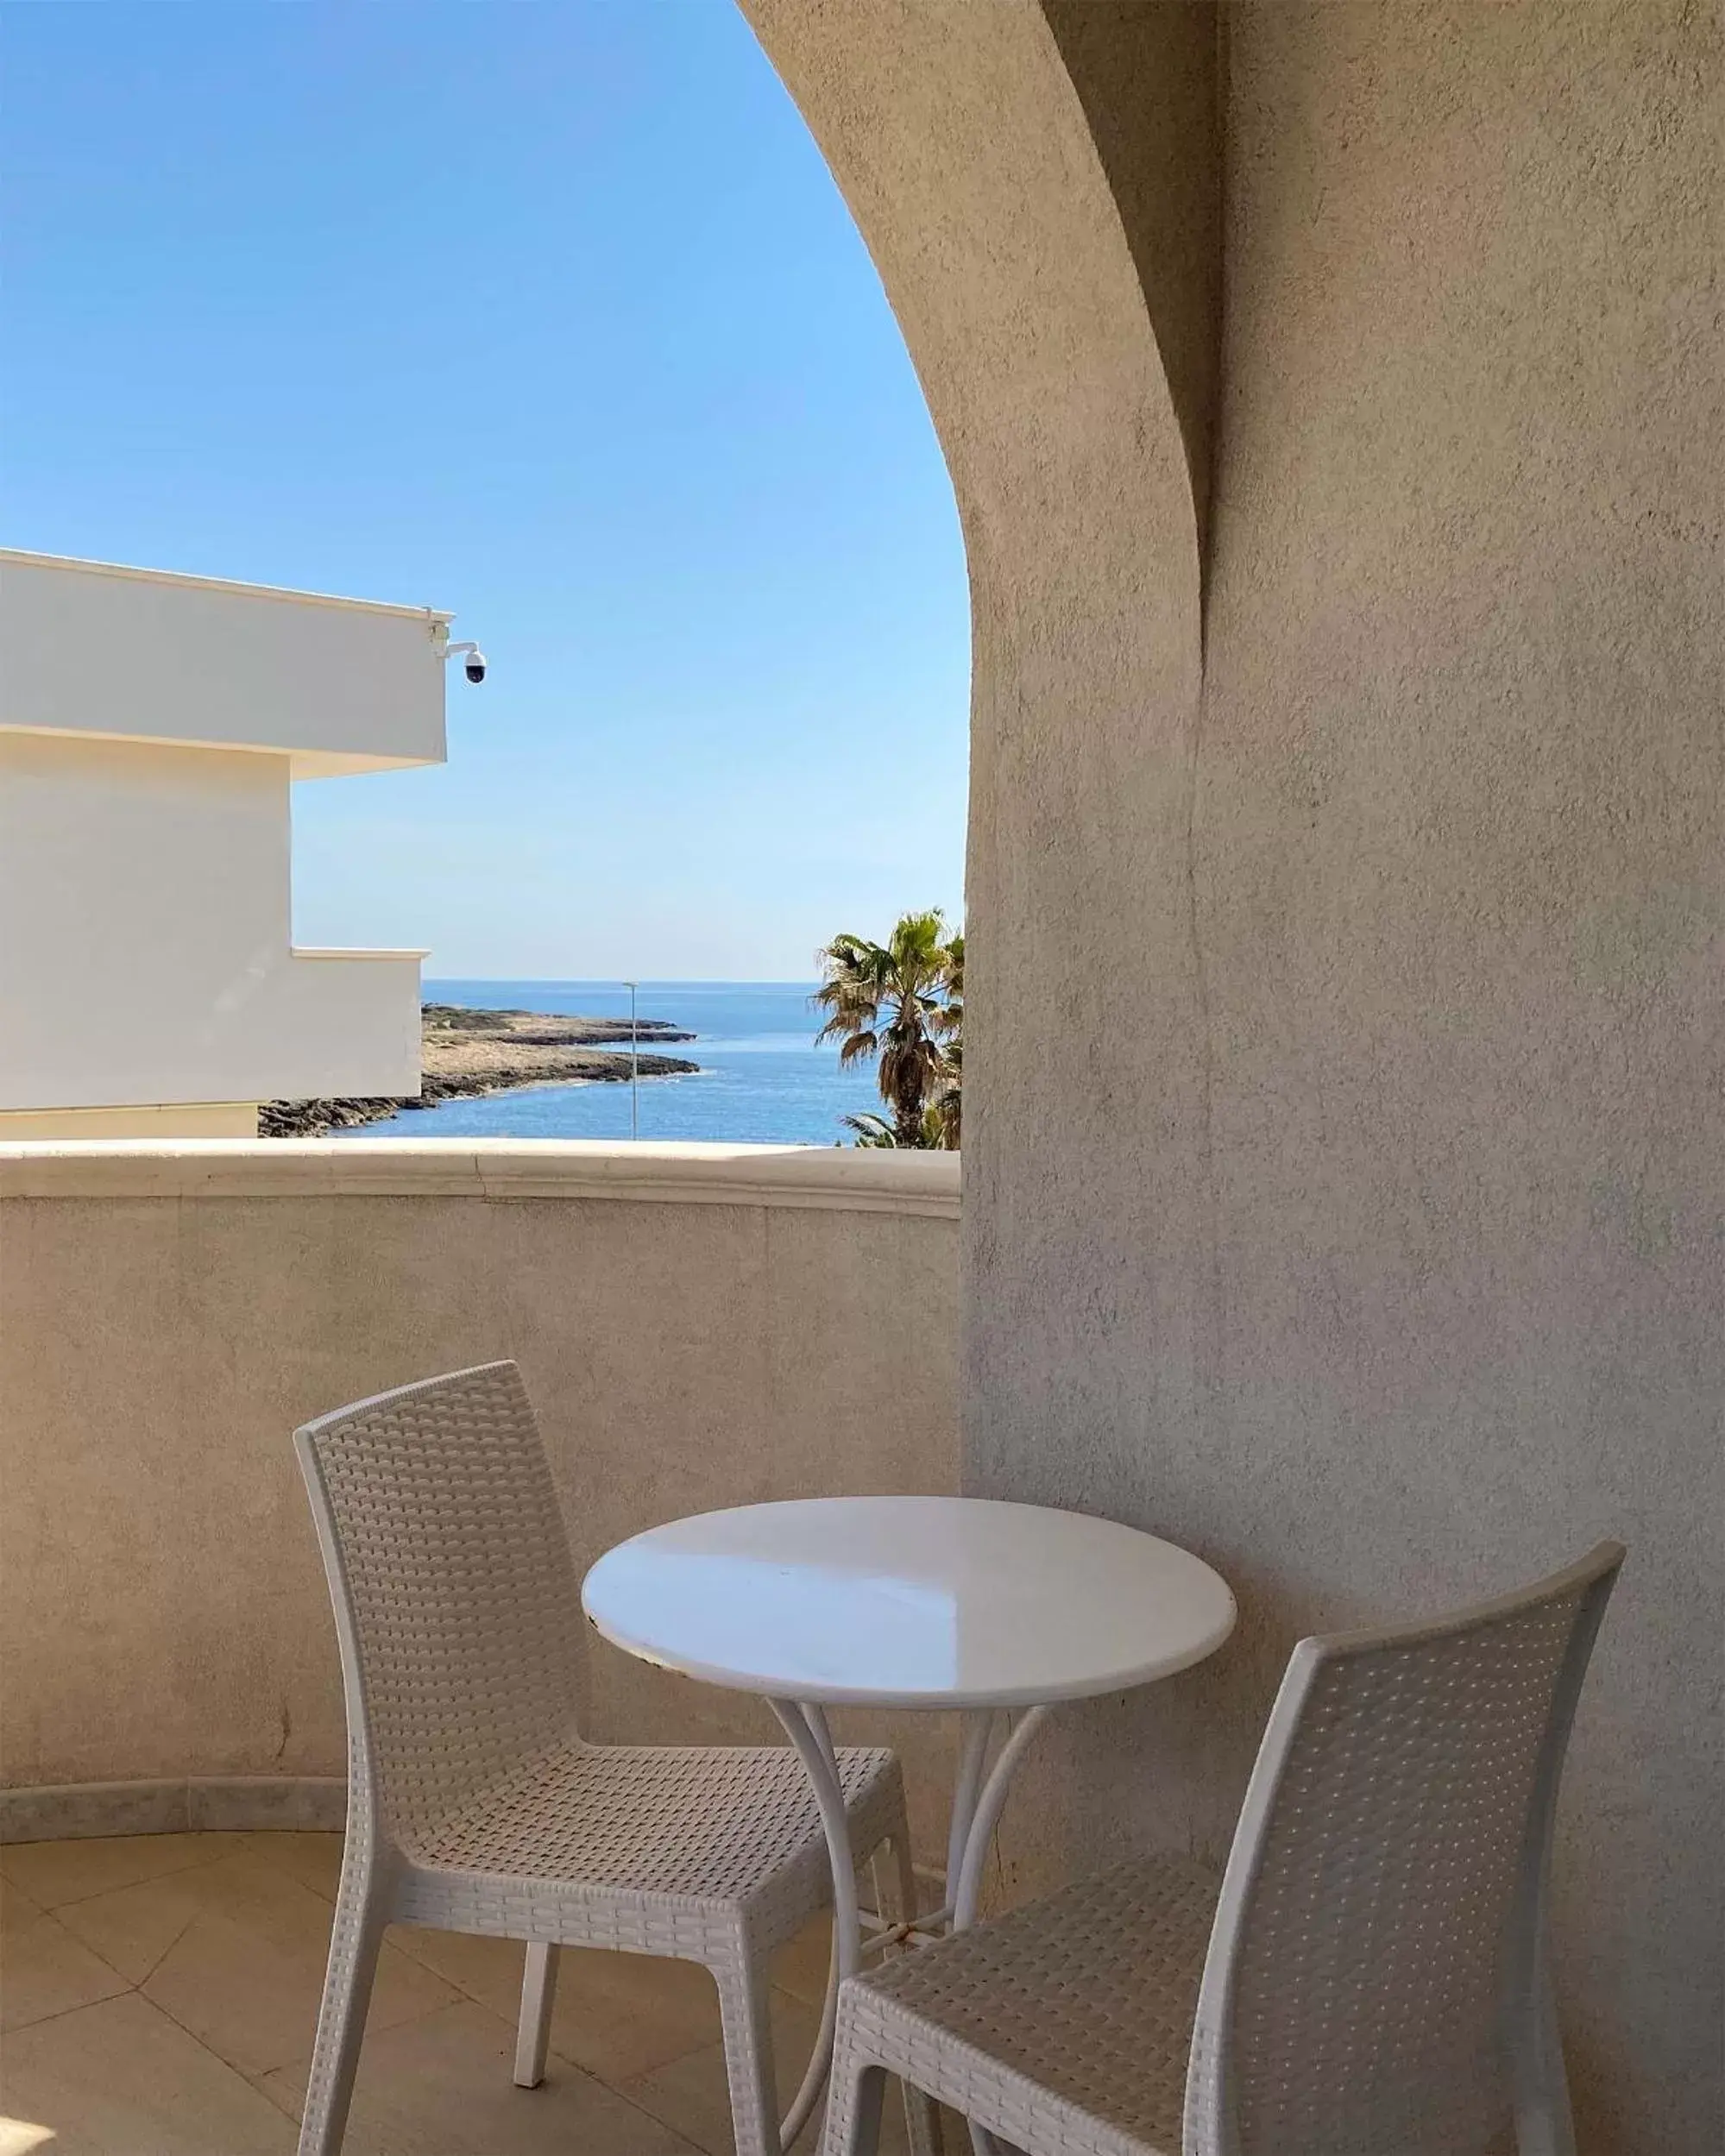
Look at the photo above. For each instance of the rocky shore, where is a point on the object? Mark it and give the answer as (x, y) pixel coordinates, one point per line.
(467, 1052)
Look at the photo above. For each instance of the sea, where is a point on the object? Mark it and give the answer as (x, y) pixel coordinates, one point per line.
(762, 1080)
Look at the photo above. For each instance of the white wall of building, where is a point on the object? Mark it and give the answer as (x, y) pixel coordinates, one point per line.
(145, 943)
(336, 684)
(150, 727)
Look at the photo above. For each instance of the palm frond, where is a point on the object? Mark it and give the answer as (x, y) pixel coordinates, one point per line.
(872, 1130)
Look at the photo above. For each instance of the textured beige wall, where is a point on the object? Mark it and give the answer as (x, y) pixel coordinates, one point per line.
(1360, 1222)
(164, 1610)
(1460, 857)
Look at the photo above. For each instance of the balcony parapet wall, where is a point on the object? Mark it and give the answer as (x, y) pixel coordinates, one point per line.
(699, 1325)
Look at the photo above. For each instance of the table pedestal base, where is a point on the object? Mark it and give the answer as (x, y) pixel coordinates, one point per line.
(979, 1797)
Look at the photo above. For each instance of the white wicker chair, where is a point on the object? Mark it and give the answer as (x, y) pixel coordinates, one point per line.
(1368, 1978)
(474, 1806)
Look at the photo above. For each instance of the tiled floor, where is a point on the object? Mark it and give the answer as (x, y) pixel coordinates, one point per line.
(157, 1998)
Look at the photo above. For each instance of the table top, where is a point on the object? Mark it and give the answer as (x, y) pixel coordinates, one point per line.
(910, 1601)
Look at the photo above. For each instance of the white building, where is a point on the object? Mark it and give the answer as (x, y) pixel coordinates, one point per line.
(150, 725)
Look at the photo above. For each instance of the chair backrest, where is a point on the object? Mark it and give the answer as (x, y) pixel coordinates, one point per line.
(455, 1592)
(1375, 1981)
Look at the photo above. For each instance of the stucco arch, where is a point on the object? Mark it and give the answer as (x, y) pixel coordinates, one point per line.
(1066, 350)
(1039, 188)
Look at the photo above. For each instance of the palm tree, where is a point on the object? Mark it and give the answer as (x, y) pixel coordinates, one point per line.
(902, 1002)
(945, 1105)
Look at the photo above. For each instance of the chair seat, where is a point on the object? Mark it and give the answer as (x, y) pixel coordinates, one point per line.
(707, 1824)
(1066, 2024)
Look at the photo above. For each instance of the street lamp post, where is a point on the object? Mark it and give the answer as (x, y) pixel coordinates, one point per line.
(634, 1066)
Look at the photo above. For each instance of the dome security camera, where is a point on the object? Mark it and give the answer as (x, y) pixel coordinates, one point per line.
(475, 664)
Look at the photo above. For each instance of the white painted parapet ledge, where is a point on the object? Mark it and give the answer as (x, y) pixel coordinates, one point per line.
(832, 1178)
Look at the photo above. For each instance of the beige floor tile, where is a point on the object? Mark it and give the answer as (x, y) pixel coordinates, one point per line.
(51, 1873)
(693, 2094)
(136, 1926)
(121, 2079)
(315, 1860)
(235, 1952)
(44, 1970)
(15, 1906)
(617, 2016)
(440, 2086)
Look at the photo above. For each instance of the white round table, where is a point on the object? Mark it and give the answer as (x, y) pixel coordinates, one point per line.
(921, 1602)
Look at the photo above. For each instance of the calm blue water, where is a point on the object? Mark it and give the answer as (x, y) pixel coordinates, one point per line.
(762, 1078)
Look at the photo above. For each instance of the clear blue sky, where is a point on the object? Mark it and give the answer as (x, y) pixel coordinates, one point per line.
(547, 312)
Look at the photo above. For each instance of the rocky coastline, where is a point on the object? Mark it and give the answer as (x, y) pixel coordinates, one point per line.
(469, 1053)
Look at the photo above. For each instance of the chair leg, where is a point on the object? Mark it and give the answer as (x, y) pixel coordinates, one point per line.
(1544, 2123)
(744, 2017)
(853, 2101)
(533, 2030)
(895, 1896)
(354, 1944)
